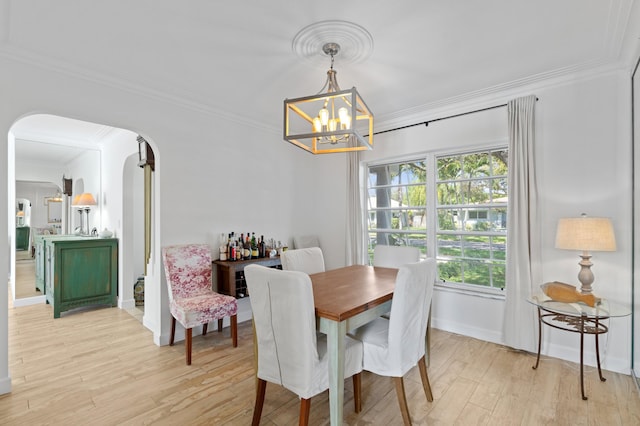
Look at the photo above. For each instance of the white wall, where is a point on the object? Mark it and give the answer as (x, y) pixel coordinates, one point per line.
(636, 251)
(116, 149)
(220, 174)
(132, 242)
(583, 156)
(477, 316)
(85, 172)
(214, 174)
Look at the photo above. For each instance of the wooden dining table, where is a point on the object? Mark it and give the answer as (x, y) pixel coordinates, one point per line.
(346, 298)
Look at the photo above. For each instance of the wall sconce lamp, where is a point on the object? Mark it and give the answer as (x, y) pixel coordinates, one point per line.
(145, 154)
(585, 234)
(84, 202)
(67, 185)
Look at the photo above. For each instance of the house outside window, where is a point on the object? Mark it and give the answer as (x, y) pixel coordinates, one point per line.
(451, 206)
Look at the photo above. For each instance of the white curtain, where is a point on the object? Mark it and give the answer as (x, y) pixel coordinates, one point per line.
(523, 229)
(355, 232)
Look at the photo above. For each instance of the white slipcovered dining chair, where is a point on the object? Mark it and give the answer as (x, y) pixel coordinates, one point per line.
(192, 301)
(305, 241)
(309, 260)
(394, 346)
(394, 256)
(290, 352)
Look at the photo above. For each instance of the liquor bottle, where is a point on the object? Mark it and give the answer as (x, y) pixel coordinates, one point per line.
(236, 247)
(254, 246)
(247, 247)
(224, 247)
(231, 250)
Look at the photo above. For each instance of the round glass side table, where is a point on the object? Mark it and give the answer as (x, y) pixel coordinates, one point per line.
(576, 318)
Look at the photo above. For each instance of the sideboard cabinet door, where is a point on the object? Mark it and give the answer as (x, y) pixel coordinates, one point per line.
(84, 272)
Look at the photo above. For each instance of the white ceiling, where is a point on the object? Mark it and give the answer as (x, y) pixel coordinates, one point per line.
(235, 59)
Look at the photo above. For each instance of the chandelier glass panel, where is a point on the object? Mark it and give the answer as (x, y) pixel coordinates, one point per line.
(332, 121)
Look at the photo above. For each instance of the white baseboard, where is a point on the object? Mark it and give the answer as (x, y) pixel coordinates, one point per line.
(126, 304)
(5, 385)
(465, 330)
(27, 301)
(609, 363)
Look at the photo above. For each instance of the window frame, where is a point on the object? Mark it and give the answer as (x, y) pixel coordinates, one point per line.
(431, 209)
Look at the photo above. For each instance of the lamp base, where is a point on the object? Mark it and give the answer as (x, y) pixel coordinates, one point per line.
(585, 276)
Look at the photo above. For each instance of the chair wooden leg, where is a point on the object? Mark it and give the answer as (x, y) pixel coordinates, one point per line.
(204, 329)
(257, 409)
(220, 325)
(425, 379)
(357, 394)
(234, 330)
(173, 331)
(187, 345)
(402, 400)
(305, 408)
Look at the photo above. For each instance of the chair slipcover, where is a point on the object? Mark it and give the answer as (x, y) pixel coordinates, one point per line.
(394, 256)
(290, 352)
(393, 346)
(305, 241)
(307, 260)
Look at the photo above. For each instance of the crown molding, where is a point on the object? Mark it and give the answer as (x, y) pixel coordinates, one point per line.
(500, 93)
(51, 65)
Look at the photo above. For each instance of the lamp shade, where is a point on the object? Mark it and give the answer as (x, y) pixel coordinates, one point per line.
(84, 199)
(585, 234)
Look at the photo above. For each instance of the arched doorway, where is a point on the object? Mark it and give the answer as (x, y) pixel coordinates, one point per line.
(95, 157)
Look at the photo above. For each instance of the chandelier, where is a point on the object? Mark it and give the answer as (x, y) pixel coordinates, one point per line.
(332, 121)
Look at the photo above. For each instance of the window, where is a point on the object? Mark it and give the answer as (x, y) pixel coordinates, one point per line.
(397, 205)
(455, 211)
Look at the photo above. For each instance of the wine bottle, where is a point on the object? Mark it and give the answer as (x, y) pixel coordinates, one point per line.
(261, 247)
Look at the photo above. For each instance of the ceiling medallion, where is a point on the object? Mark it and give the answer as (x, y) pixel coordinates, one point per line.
(356, 43)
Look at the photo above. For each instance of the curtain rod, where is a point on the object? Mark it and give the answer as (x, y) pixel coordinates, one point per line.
(426, 123)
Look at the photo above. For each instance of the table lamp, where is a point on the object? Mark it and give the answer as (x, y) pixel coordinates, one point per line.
(84, 202)
(585, 234)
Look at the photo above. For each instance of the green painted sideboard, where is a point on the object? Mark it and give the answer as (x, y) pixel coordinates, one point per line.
(40, 242)
(81, 271)
(22, 237)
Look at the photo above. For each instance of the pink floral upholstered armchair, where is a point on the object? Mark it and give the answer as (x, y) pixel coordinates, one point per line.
(192, 300)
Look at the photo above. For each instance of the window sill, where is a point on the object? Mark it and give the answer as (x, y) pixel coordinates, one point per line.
(488, 293)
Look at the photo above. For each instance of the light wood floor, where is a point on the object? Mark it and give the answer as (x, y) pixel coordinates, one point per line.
(100, 367)
(26, 277)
